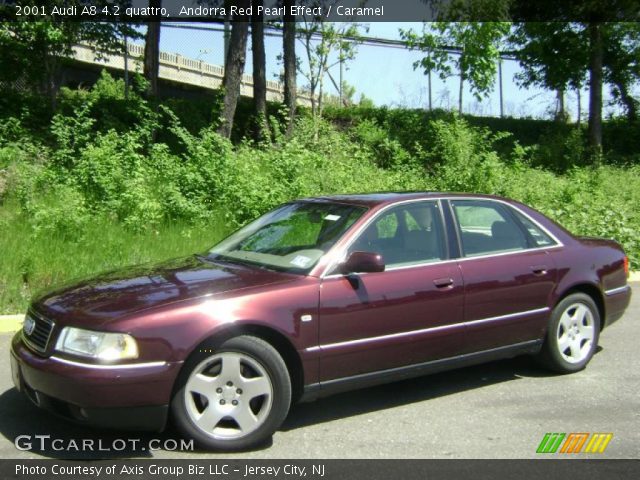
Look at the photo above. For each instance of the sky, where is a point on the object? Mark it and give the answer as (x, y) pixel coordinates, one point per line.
(384, 75)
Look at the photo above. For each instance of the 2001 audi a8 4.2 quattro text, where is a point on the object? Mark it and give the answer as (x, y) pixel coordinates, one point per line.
(318, 296)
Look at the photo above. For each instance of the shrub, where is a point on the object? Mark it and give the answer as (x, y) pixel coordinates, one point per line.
(59, 212)
(385, 151)
(105, 104)
(99, 167)
(462, 158)
(561, 148)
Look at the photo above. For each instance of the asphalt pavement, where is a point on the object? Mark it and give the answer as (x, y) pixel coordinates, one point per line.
(497, 410)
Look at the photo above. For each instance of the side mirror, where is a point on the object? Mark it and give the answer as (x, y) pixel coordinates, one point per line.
(363, 262)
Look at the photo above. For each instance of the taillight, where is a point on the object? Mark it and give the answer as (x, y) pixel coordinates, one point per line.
(626, 266)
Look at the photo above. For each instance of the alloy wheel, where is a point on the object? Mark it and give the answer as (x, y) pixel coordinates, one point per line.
(575, 333)
(229, 395)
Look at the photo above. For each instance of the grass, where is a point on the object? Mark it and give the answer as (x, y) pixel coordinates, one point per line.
(65, 181)
(30, 261)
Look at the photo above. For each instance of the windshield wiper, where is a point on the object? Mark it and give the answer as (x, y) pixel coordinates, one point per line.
(240, 261)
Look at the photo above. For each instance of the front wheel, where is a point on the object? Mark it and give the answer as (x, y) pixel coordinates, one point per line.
(572, 336)
(234, 396)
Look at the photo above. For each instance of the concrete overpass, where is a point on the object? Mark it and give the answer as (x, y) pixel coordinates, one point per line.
(178, 74)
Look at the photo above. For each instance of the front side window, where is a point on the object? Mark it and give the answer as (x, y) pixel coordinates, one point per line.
(291, 238)
(408, 234)
(486, 227)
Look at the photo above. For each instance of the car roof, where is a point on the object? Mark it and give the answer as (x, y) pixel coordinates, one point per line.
(380, 198)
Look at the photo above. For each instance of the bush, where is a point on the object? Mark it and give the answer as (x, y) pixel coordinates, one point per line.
(105, 104)
(386, 152)
(123, 161)
(59, 212)
(462, 158)
(561, 149)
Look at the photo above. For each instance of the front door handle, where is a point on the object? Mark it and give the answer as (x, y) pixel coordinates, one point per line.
(539, 270)
(443, 282)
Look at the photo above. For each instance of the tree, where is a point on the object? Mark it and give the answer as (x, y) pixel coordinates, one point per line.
(259, 73)
(473, 48)
(562, 55)
(290, 64)
(32, 51)
(621, 62)
(551, 55)
(234, 68)
(325, 45)
(596, 54)
(152, 52)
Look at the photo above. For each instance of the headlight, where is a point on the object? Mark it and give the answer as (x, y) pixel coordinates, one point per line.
(98, 345)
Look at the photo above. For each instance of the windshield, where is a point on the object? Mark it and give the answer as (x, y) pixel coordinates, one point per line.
(291, 238)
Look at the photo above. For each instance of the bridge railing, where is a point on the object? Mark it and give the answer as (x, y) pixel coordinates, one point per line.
(177, 68)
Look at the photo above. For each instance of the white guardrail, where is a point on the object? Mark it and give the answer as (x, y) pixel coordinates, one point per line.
(180, 69)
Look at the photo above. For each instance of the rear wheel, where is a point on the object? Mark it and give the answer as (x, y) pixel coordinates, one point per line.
(232, 397)
(572, 336)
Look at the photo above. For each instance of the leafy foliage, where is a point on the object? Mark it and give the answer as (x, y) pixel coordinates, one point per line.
(477, 59)
(93, 174)
(326, 44)
(555, 55)
(31, 51)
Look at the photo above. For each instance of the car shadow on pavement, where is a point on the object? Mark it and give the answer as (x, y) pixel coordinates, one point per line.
(20, 417)
(410, 391)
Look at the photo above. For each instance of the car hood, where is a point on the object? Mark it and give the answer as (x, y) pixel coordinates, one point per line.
(121, 293)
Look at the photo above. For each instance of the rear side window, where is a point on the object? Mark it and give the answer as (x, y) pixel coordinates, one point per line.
(539, 237)
(486, 227)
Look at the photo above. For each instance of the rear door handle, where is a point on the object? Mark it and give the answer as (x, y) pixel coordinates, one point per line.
(444, 282)
(539, 269)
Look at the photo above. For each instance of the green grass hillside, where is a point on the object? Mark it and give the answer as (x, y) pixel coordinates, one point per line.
(106, 181)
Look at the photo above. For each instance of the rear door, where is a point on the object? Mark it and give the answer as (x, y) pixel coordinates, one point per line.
(507, 272)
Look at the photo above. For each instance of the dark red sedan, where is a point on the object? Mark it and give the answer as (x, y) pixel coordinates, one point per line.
(318, 296)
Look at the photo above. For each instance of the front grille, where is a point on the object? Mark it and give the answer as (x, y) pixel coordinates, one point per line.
(40, 335)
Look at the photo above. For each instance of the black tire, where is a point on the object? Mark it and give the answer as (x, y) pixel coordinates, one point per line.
(252, 349)
(564, 361)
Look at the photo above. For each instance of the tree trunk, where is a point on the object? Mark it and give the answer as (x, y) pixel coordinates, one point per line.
(560, 110)
(233, 72)
(595, 87)
(314, 104)
(320, 96)
(500, 87)
(579, 95)
(259, 73)
(52, 80)
(460, 93)
(290, 68)
(152, 52)
(627, 100)
(429, 86)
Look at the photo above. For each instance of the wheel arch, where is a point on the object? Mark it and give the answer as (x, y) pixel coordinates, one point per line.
(592, 291)
(270, 335)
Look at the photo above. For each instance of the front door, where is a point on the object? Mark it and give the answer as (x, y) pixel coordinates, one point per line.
(408, 314)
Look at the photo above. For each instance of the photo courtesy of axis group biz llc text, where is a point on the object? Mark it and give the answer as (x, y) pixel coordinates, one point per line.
(172, 469)
(319, 239)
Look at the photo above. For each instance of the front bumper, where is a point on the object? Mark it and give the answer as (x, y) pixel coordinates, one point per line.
(132, 397)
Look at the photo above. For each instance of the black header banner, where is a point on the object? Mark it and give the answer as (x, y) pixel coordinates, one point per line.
(363, 11)
(221, 469)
